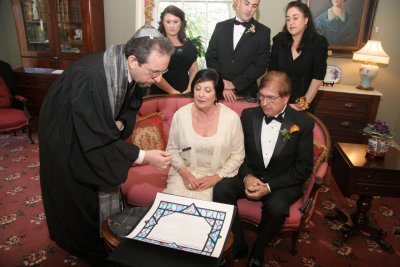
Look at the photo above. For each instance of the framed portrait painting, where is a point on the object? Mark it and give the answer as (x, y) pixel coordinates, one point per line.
(346, 24)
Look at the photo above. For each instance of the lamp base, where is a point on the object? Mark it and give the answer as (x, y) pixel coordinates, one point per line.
(367, 73)
(370, 88)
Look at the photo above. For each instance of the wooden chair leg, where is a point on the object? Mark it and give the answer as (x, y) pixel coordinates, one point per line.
(30, 133)
(293, 248)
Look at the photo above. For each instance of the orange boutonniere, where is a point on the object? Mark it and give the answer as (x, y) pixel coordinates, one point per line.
(287, 134)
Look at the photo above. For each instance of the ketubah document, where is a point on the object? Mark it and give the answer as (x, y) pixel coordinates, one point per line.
(187, 224)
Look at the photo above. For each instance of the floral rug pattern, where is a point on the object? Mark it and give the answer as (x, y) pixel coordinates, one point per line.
(24, 239)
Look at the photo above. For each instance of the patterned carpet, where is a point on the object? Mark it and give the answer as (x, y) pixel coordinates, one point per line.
(24, 238)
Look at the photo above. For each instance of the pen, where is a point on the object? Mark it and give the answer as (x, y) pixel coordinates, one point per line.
(184, 149)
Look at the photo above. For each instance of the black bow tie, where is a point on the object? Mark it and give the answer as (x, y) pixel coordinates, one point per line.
(279, 118)
(245, 23)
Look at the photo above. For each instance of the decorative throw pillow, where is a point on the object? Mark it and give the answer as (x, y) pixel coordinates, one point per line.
(148, 133)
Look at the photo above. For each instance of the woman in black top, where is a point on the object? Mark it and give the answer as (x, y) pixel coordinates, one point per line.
(183, 65)
(300, 52)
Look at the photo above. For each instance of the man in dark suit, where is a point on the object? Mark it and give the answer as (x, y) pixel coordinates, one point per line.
(239, 50)
(279, 159)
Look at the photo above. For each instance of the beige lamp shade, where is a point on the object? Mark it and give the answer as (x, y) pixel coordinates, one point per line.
(372, 52)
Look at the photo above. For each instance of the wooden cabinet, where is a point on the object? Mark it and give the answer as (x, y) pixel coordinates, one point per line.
(34, 83)
(346, 111)
(54, 33)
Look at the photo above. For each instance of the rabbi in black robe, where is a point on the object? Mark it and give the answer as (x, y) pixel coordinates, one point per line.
(89, 110)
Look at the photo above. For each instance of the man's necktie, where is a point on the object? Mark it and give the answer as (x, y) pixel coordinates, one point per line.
(279, 118)
(244, 24)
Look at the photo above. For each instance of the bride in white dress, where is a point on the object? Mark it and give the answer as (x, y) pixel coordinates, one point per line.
(205, 140)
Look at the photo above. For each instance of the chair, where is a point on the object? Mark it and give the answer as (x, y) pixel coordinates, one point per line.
(14, 113)
(302, 210)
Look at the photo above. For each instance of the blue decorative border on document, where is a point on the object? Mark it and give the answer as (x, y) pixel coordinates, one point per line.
(214, 218)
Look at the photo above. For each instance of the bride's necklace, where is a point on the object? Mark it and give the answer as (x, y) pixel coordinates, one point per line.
(208, 122)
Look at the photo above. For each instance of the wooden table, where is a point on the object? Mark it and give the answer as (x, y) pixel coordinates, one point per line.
(355, 172)
(111, 241)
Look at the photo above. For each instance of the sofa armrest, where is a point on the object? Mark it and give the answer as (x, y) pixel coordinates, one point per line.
(142, 185)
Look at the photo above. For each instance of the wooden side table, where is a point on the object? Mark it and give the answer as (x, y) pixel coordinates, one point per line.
(357, 173)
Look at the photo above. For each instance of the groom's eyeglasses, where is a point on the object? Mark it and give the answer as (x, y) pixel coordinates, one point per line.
(270, 99)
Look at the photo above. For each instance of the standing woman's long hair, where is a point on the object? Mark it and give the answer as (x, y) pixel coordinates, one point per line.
(309, 31)
(177, 12)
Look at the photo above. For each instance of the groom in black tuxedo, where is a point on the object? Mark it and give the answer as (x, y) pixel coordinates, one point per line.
(279, 159)
(239, 50)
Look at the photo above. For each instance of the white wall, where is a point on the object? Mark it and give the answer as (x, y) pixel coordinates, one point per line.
(9, 48)
(388, 79)
(272, 14)
(119, 19)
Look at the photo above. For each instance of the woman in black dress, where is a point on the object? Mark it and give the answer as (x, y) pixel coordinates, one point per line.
(300, 52)
(183, 65)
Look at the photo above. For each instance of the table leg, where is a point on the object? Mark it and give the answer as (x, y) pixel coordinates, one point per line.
(359, 222)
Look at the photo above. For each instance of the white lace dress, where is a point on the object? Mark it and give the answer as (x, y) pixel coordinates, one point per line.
(221, 154)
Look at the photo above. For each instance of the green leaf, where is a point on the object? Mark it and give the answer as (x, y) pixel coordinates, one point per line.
(198, 42)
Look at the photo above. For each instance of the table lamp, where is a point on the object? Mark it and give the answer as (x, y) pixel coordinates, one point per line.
(371, 54)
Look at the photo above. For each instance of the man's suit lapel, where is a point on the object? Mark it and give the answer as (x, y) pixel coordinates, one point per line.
(229, 35)
(242, 39)
(257, 123)
(246, 35)
(281, 142)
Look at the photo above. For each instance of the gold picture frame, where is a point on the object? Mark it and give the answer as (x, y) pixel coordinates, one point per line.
(356, 24)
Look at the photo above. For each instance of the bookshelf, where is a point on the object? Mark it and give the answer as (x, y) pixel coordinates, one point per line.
(54, 33)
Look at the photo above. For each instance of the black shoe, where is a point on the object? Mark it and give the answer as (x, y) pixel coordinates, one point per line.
(240, 253)
(222, 262)
(253, 262)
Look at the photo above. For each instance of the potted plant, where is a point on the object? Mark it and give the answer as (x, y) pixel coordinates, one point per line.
(198, 42)
(380, 138)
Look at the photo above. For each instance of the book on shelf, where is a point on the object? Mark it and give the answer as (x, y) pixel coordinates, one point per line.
(65, 11)
(27, 10)
(41, 10)
(62, 11)
(74, 11)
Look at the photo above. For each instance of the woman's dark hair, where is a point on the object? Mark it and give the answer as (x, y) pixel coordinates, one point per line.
(177, 12)
(212, 75)
(309, 31)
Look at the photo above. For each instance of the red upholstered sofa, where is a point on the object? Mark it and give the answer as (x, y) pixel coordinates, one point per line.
(144, 181)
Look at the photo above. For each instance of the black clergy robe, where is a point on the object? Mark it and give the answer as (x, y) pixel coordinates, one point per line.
(81, 149)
